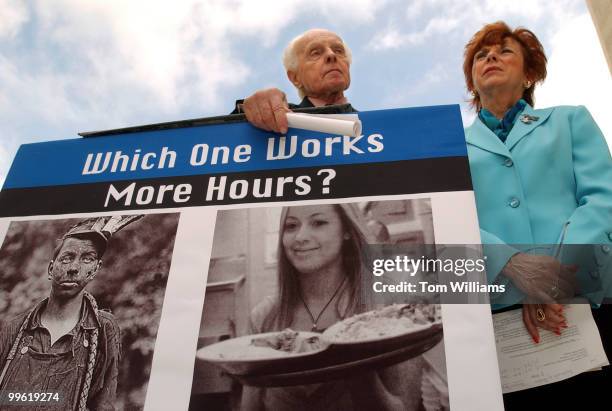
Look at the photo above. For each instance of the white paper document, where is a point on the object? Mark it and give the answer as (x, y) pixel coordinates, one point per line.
(344, 125)
(524, 364)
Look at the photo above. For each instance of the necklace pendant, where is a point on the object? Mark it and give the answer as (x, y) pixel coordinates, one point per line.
(314, 328)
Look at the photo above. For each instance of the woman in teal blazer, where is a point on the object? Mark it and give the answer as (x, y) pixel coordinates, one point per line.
(541, 177)
(552, 176)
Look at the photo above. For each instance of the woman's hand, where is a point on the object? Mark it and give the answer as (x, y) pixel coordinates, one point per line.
(541, 277)
(547, 316)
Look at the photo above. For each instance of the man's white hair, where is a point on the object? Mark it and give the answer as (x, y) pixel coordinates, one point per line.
(290, 57)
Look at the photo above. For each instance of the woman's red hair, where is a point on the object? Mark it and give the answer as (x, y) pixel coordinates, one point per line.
(496, 33)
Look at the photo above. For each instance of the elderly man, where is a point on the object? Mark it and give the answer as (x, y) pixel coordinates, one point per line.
(318, 65)
(64, 345)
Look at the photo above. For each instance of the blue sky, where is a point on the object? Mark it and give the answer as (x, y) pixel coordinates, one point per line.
(72, 65)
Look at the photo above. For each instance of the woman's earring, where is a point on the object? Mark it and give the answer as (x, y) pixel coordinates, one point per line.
(474, 93)
(346, 236)
(528, 84)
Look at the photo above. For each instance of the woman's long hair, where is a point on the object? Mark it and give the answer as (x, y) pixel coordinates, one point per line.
(353, 253)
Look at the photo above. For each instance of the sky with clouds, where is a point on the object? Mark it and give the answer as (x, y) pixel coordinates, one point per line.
(71, 65)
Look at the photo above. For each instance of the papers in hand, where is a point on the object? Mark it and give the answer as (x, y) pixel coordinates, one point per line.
(342, 125)
(524, 364)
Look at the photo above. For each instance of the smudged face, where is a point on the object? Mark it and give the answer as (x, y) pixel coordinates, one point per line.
(323, 64)
(75, 265)
(312, 237)
(501, 67)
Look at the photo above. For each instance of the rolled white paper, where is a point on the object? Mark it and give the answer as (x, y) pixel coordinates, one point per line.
(348, 125)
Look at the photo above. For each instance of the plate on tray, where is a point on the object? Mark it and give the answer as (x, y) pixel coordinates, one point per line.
(255, 353)
(387, 328)
(331, 367)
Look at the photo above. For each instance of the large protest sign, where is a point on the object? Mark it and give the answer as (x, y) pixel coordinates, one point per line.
(204, 166)
(218, 202)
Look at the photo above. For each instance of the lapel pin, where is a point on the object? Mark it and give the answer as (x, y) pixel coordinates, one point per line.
(527, 119)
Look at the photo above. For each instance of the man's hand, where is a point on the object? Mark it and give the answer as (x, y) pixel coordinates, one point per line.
(267, 109)
(541, 277)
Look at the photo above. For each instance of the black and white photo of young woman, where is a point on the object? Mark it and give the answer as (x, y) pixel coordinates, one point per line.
(301, 267)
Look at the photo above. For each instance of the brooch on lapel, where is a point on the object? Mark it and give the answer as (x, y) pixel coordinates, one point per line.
(527, 119)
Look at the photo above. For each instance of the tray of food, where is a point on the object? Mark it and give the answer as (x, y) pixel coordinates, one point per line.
(274, 351)
(338, 367)
(366, 341)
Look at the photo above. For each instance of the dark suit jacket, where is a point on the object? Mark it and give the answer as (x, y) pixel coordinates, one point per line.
(305, 103)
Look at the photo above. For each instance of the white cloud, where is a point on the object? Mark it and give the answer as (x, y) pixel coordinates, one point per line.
(8, 148)
(5, 161)
(415, 8)
(407, 92)
(13, 14)
(27, 95)
(143, 47)
(578, 73)
(393, 39)
(530, 9)
(464, 17)
(437, 74)
(467, 115)
(107, 64)
(356, 11)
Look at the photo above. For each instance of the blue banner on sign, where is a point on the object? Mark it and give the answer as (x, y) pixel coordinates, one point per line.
(414, 133)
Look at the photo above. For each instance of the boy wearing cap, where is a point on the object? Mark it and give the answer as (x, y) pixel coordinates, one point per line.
(65, 345)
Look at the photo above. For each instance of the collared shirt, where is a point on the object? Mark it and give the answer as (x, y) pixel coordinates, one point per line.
(502, 127)
(40, 339)
(341, 109)
(305, 103)
(39, 366)
(319, 103)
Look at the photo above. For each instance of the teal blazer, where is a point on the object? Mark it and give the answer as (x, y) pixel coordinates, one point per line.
(552, 171)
